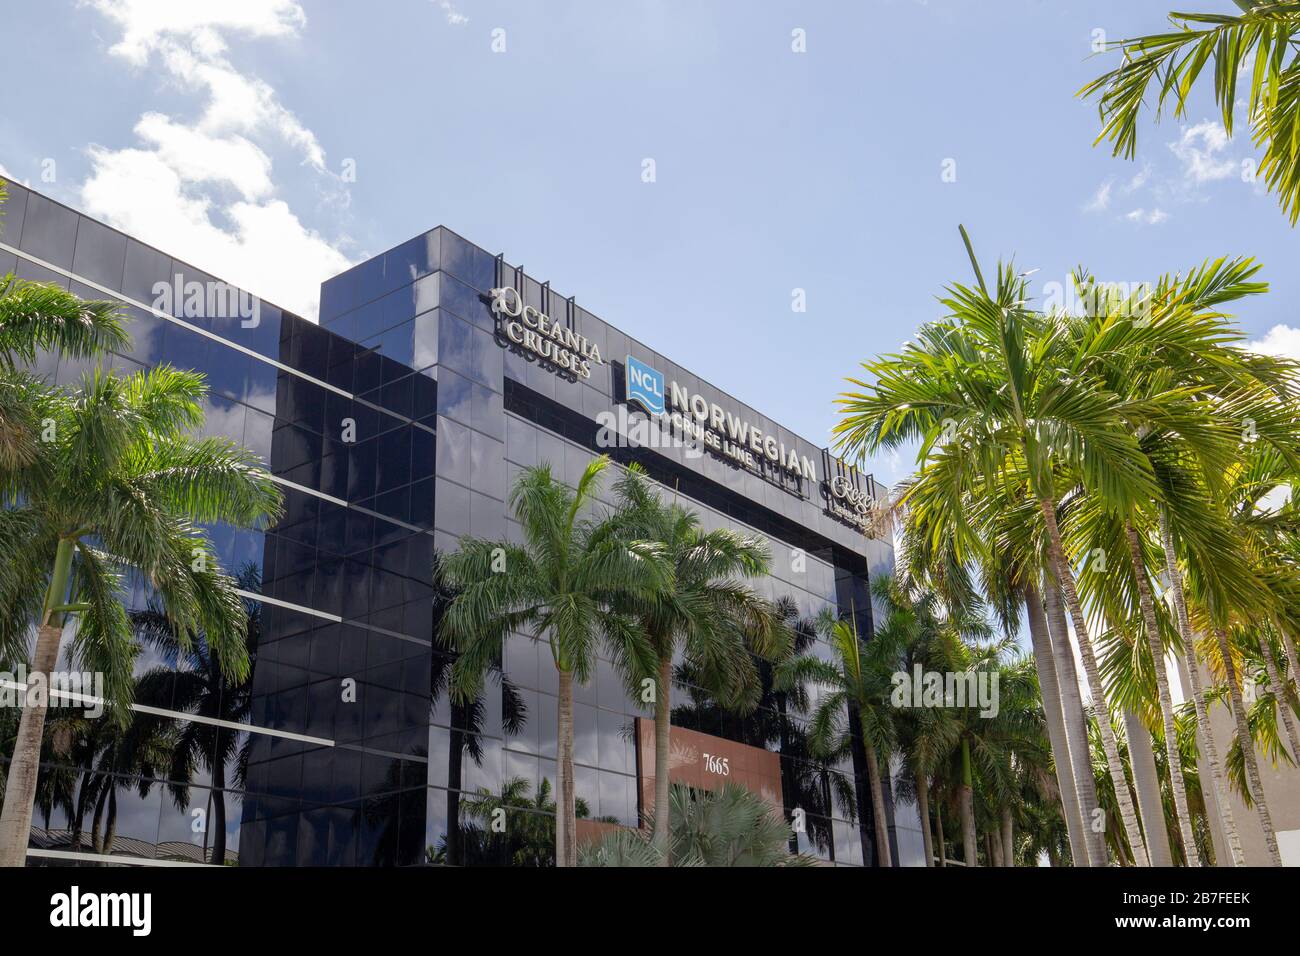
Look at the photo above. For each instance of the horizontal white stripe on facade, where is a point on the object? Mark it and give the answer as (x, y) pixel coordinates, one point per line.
(92, 701)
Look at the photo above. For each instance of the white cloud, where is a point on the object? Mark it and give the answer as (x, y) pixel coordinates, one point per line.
(200, 158)
(147, 23)
(1139, 179)
(1147, 217)
(203, 190)
(454, 16)
(239, 103)
(1201, 149)
(266, 249)
(1101, 198)
(1280, 340)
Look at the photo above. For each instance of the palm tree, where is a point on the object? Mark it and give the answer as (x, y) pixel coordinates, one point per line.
(1202, 390)
(998, 532)
(911, 622)
(564, 583)
(1139, 400)
(120, 486)
(1232, 580)
(1001, 382)
(1261, 39)
(729, 827)
(857, 683)
(709, 616)
(37, 317)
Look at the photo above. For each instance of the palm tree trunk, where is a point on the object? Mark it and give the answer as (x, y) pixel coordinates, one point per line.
(79, 816)
(1076, 727)
(1066, 579)
(966, 799)
(1008, 837)
(1292, 670)
(24, 767)
(1204, 733)
(1279, 690)
(663, 715)
(1146, 780)
(566, 847)
(455, 781)
(883, 854)
(110, 825)
(96, 843)
(1247, 743)
(218, 820)
(1050, 689)
(1172, 756)
(787, 767)
(993, 846)
(923, 811)
(938, 830)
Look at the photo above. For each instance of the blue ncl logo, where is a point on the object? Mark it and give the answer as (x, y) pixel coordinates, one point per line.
(645, 386)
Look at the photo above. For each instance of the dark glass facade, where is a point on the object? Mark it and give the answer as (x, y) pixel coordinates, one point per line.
(395, 426)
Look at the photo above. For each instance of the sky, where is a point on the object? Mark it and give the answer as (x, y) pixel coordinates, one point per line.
(691, 171)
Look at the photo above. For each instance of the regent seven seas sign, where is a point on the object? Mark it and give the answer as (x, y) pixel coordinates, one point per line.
(537, 333)
(847, 503)
(695, 418)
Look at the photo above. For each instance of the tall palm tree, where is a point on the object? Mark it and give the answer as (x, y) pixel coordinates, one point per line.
(1248, 583)
(709, 616)
(563, 583)
(120, 486)
(1000, 381)
(1202, 391)
(1261, 39)
(858, 682)
(911, 621)
(998, 531)
(1089, 412)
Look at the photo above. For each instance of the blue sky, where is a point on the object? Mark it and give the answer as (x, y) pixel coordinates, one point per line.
(225, 132)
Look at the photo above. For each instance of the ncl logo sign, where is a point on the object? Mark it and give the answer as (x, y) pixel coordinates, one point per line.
(645, 386)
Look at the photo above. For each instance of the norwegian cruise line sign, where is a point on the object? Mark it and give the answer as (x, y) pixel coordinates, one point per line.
(718, 430)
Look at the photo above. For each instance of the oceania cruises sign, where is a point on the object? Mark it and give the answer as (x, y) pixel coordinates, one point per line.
(697, 419)
(538, 334)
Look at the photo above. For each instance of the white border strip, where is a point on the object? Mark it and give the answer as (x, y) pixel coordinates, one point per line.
(123, 297)
(287, 605)
(171, 318)
(231, 725)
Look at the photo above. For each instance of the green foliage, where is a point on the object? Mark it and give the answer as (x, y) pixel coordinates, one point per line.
(1261, 42)
(728, 827)
(120, 476)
